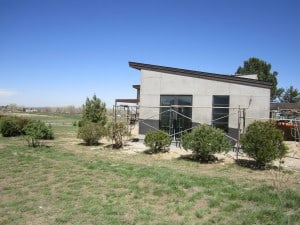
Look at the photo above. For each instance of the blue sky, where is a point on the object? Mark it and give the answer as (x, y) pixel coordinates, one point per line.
(59, 52)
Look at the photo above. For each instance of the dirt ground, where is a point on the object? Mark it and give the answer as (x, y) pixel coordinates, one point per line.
(292, 161)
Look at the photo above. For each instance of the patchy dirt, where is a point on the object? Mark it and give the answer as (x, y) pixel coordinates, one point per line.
(133, 146)
(292, 161)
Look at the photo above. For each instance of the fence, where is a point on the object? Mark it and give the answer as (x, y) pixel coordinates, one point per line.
(130, 115)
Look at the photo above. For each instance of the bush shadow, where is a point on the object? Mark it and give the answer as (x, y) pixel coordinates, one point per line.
(114, 146)
(152, 152)
(86, 144)
(196, 158)
(252, 164)
(40, 147)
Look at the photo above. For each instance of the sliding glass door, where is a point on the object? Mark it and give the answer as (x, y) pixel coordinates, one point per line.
(175, 113)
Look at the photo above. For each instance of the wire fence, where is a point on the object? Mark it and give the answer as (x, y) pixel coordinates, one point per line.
(130, 115)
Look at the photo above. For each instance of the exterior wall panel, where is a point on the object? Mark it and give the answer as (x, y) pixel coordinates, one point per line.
(256, 100)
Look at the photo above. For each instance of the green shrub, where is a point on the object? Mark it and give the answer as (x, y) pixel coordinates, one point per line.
(90, 132)
(22, 122)
(35, 131)
(205, 140)
(94, 110)
(9, 127)
(116, 131)
(80, 123)
(157, 140)
(263, 142)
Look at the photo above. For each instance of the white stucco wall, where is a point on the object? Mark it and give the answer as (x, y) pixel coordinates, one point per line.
(153, 84)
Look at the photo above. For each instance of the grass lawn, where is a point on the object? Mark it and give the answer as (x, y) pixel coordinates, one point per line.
(69, 183)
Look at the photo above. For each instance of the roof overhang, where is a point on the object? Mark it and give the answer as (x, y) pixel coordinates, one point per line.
(127, 100)
(285, 106)
(137, 86)
(202, 75)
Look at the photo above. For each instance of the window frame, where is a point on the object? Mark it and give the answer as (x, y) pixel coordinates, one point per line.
(221, 111)
(187, 111)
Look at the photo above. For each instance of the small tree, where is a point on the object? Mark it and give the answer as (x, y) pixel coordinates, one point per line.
(36, 131)
(157, 140)
(94, 111)
(206, 140)
(116, 131)
(90, 132)
(263, 142)
(91, 127)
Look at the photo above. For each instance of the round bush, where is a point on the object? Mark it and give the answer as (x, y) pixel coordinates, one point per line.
(90, 132)
(9, 127)
(205, 140)
(263, 142)
(157, 141)
(22, 122)
(37, 130)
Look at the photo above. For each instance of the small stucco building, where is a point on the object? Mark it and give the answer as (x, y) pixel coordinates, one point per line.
(176, 100)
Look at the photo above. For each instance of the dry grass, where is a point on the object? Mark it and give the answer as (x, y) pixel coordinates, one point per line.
(69, 183)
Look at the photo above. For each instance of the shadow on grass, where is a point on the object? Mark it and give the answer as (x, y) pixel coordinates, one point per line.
(196, 158)
(135, 140)
(40, 147)
(86, 144)
(151, 151)
(115, 146)
(253, 165)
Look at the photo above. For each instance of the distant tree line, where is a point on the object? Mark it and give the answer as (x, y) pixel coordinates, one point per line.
(64, 109)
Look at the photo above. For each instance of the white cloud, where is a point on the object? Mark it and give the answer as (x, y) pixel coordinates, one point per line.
(7, 93)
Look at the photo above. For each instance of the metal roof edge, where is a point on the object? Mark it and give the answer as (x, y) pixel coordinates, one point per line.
(200, 74)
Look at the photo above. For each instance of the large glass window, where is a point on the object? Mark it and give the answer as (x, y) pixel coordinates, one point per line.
(175, 113)
(220, 112)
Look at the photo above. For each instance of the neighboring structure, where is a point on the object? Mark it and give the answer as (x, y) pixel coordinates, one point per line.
(176, 100)
(285, 110)
(126, 109)
(287, 116)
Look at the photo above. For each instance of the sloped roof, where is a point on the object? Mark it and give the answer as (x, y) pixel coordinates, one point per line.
(127, 100)
(202, 75)
(285, 106)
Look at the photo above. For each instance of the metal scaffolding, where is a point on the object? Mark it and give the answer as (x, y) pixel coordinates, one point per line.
(177, 135)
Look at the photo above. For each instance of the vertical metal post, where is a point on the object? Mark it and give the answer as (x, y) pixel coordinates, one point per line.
(239, 134)
(170, 120)
(244, 120)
